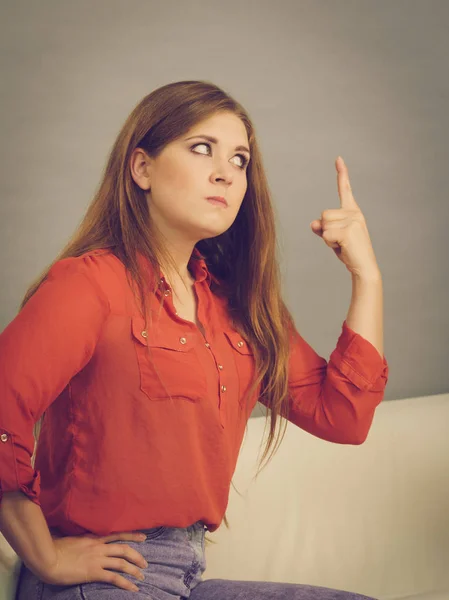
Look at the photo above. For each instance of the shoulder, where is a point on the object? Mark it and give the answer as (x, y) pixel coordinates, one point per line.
(97, 270)
(96, 265)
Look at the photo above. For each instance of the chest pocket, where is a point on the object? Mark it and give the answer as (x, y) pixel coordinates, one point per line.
(243, 358)
(170, 355)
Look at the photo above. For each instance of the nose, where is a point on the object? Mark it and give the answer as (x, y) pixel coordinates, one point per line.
(223, 172)
(226, 180)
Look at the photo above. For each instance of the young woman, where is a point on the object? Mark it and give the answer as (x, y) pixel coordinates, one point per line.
(139, 354)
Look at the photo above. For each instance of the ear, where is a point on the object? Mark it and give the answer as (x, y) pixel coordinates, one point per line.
(139, 165)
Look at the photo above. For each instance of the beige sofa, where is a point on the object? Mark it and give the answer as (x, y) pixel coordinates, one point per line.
(372, 519)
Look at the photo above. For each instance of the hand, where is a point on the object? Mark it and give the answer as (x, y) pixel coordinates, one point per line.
(82, 559)
(344, 229)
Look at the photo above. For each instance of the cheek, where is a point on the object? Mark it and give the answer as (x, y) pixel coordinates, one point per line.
(184, 181)
(172, 186)
(175, 176)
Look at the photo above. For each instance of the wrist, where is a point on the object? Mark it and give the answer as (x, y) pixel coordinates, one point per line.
(46, 565)
(373, 276)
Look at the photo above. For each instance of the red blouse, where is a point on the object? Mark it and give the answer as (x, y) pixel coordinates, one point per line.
(110, 458)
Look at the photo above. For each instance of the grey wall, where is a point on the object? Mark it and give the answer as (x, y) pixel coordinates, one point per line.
(365, 79)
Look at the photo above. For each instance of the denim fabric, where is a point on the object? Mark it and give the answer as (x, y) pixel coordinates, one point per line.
(176, 563)
(225, 589)
(175, 557)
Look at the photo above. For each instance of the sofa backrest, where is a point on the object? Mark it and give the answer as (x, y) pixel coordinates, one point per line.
(371, 518)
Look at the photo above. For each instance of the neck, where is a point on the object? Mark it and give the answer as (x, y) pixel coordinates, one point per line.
(173, 278)
(182, 257)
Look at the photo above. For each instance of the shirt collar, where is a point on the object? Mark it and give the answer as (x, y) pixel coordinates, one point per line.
(198, 267)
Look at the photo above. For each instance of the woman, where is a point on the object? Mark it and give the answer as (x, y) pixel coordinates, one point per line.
(141, 351)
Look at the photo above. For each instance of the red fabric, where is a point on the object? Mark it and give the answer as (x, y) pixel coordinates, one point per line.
(112, 459)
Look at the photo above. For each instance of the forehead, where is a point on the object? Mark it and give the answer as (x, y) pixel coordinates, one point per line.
(227, 127)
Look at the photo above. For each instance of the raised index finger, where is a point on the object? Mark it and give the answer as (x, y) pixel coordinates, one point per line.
(344, 185)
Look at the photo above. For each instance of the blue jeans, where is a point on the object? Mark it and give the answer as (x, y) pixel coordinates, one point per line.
(176, 563)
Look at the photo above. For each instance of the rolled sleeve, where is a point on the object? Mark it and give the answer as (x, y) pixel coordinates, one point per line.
(335, 400)
(13, 476)
(50, 340)
(358, 360)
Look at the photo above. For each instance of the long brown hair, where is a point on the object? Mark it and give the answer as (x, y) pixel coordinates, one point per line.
(243, 258)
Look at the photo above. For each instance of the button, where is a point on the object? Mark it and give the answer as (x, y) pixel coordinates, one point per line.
(183, 340)
(220, 366)
(223, 388)
(167, 293)
(4, 437)
(176, 312)
(240, 344)
(144, 334)
(207, 345)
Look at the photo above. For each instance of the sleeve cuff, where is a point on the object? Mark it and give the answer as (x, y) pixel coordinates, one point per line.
(31, 489)
(358, 360)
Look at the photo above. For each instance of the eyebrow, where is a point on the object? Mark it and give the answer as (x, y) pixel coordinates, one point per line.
(213, 140)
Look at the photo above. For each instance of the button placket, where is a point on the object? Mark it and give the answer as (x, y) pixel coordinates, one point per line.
(220, 367)
(222, 386)
(166, 290)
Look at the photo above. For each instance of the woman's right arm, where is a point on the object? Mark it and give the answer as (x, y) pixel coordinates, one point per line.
(50, 340)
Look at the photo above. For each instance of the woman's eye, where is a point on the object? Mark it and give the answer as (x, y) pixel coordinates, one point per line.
(244, 161)
(207, 145)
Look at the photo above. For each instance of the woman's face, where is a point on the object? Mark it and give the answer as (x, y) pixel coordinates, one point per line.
(187, 171)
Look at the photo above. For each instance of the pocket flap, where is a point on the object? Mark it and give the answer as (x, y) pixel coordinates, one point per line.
(160, 338)
(238, 342)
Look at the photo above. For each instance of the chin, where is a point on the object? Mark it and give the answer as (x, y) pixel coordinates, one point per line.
(213, 230)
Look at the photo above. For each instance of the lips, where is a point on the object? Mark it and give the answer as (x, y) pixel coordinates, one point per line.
(218, 199)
